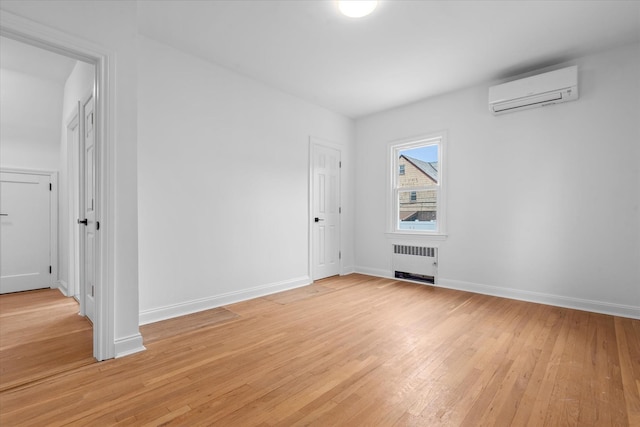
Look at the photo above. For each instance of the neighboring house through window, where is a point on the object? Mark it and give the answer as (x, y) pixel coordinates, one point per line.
(417, 189)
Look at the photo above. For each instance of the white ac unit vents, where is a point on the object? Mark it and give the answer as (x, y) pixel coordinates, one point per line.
(548, 88)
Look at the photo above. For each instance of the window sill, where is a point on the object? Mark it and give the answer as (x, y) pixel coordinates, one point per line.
(407, 235)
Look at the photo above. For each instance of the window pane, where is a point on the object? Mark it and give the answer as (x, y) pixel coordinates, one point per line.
(417, 210)
(417, 186)
(418, 167)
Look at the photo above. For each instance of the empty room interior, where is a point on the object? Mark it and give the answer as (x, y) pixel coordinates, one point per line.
(360, 213)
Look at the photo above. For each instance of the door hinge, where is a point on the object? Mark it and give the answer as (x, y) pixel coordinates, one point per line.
(97, 225)
(340, 164)
(50, 187)
(50, 270)
(340, 210)
(339, 254)
(92, 291)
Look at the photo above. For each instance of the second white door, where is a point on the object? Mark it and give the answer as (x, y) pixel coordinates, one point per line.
(87, 220)
(25, 205)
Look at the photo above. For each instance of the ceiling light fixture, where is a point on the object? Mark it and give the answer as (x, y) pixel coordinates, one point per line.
(356, 8)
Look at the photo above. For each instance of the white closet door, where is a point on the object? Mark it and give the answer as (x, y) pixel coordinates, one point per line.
(25, 205)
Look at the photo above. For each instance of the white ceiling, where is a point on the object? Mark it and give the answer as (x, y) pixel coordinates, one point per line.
(33, 61)
(403, 52)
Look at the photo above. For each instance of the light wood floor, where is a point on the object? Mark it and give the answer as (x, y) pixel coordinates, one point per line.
(357, 351)
(41, 334)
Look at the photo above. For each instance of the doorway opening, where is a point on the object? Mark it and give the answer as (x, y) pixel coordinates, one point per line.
(41, 247)
(31, 34)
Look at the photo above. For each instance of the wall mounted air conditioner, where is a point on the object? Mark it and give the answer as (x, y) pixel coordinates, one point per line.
(553, 87)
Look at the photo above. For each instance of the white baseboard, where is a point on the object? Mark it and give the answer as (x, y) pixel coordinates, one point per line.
(62, 287)
(129, 345)
(194, 306)
(621, 310)
(348, 269)
(544, 298)
(373, 272)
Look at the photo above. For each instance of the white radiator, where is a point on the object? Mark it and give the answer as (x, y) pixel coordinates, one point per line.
(416, 263)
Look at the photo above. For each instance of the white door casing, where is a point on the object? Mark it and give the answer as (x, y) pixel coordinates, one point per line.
(26, 231)
(73, 174)
(325, 210)
(87, 221)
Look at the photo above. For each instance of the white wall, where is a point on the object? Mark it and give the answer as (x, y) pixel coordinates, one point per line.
(543, 204)
(223, 184)
(112, 26)
(30, 121)
(77, 87)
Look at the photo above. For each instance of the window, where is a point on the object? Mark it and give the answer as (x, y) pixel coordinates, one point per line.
(417, 193)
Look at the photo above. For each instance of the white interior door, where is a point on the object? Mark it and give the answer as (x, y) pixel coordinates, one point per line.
(87, 220)
(25, 205)
(325, 235)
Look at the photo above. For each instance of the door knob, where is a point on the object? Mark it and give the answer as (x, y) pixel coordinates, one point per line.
(84, 221)
(318, 219)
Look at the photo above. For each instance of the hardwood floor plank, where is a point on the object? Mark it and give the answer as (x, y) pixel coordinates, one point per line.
(168, 328)
(357, 350)
(543, 343)
(628, 344)
(41, 335)
(298, 294)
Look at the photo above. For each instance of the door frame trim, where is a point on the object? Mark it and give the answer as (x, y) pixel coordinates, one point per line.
(54, 281)
(27, 31)
(313, 141)
(72, 122)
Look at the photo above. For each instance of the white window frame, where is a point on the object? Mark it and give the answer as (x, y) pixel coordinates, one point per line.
(394, 149)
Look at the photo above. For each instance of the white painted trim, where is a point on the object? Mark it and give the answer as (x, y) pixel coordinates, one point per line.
(9, 169)
(72, 201)
(61, 292)
(612, 309)
(73, 115)
(377, 272)
(54, 227)
(129, 345)
(53, 216)
(310, 209)
(30, 32)
(63, 287)
(323, 143)
(194, 306)
(349, 269)
(413, 238)
(544, 298)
